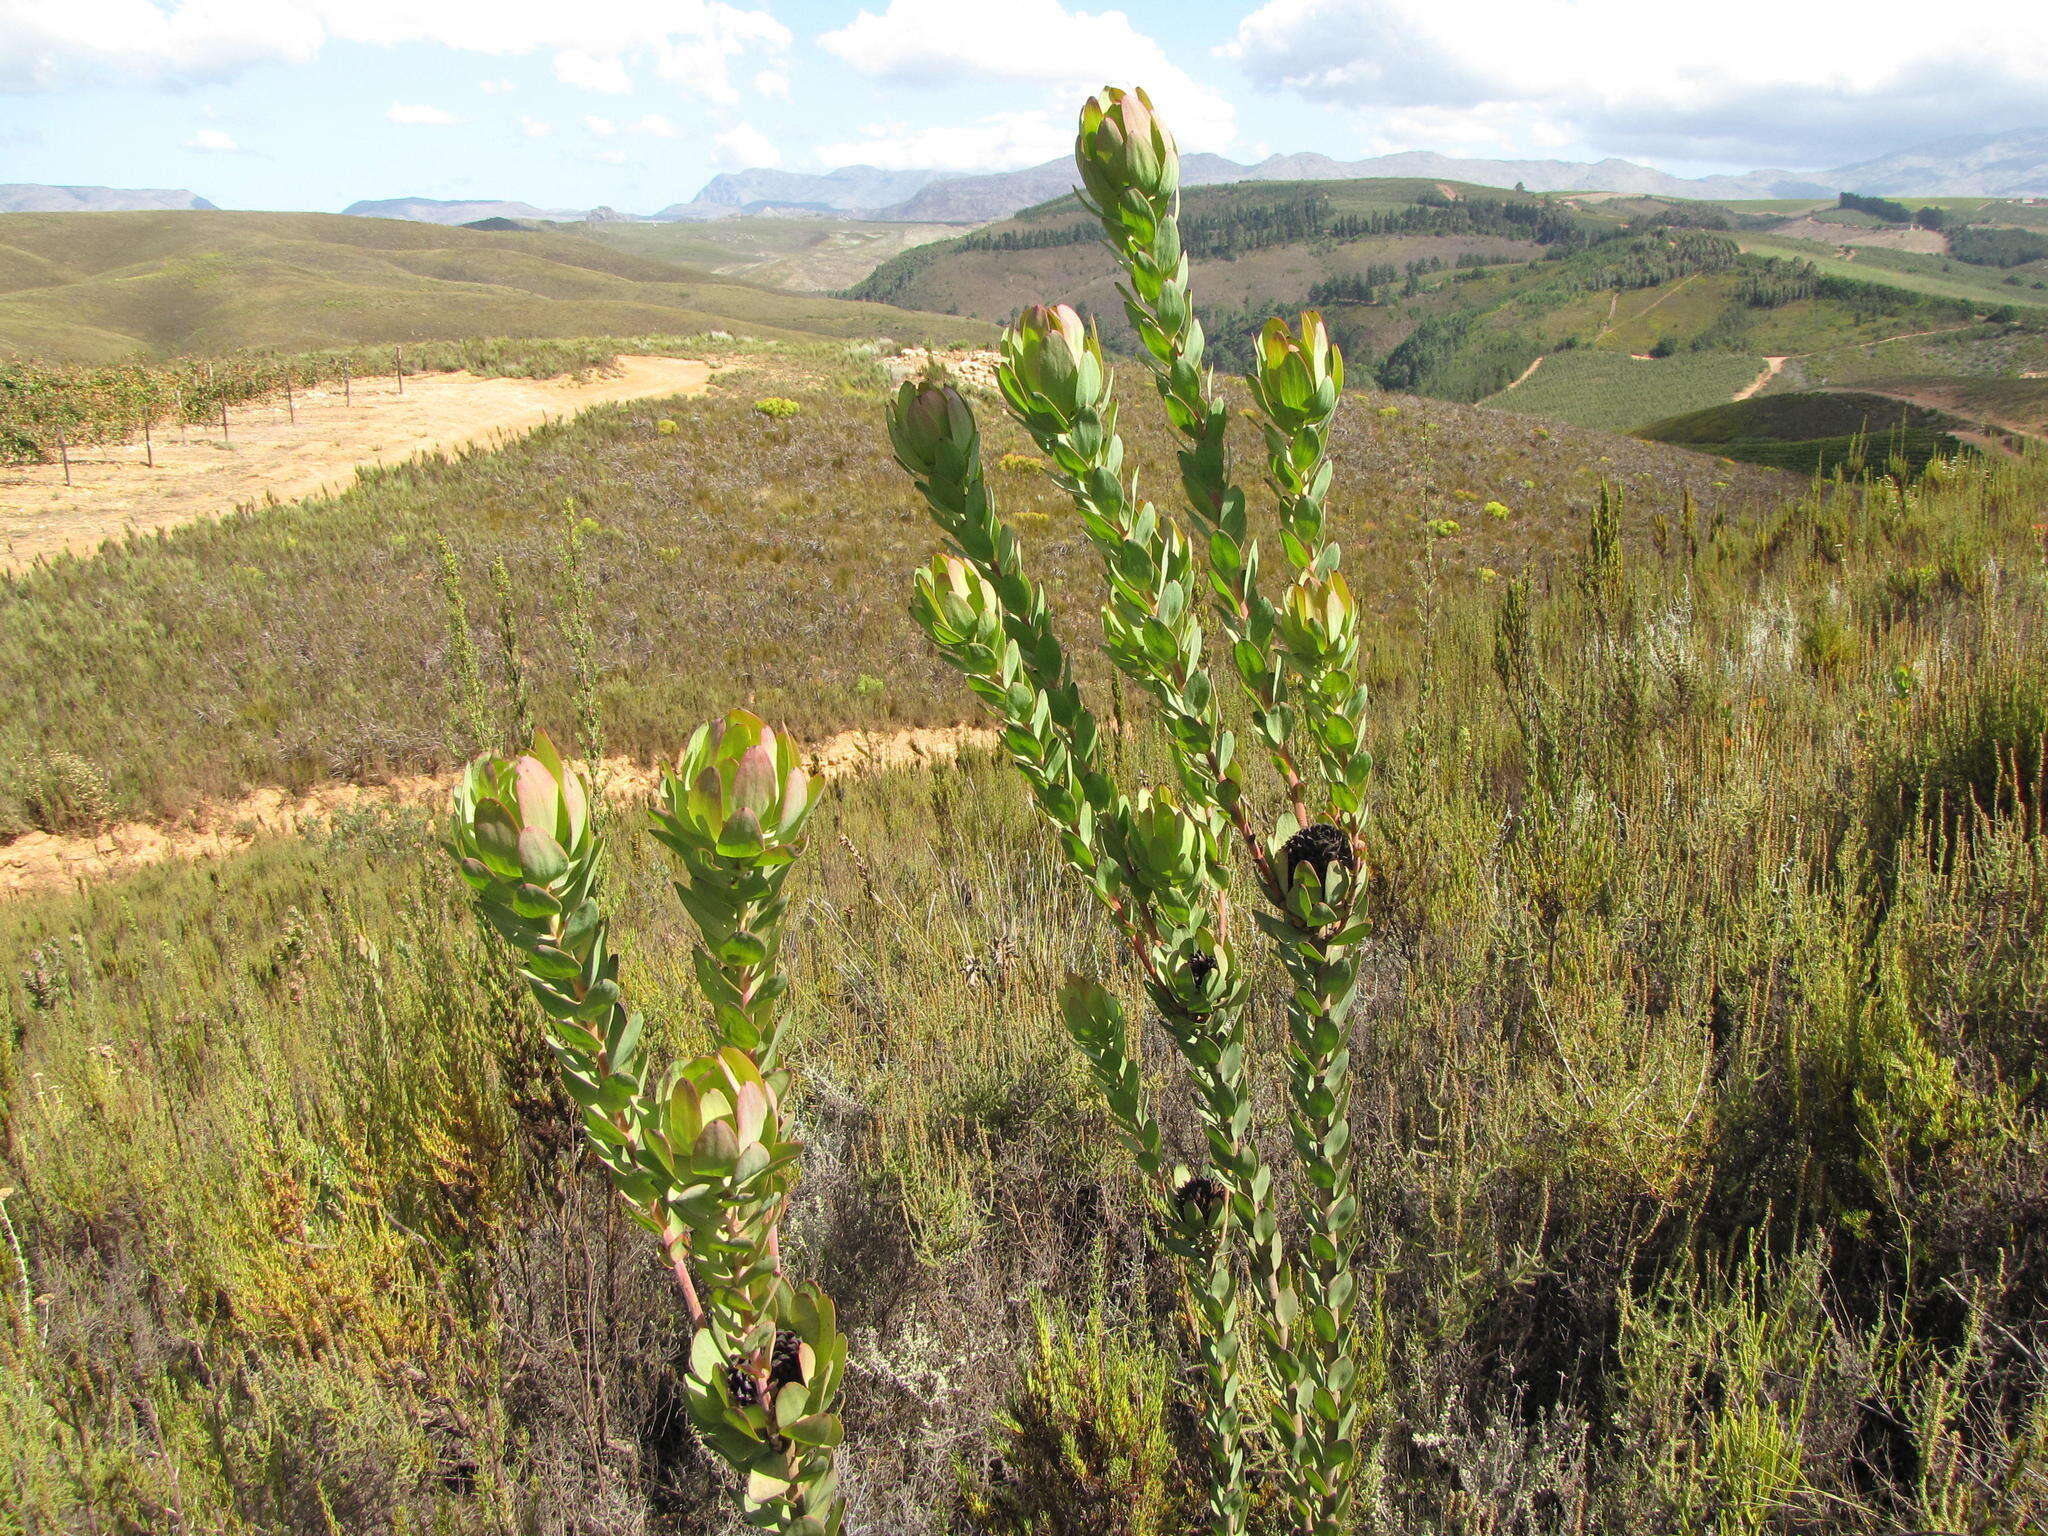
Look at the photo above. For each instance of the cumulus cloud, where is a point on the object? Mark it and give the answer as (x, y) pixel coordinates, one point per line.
(419, 113)
(603, 127)
(654, 125)
(745, 147)
(496, 87)
(535, 128)
(1028, 42)
(999, 142)
(213, 141)
(593, 71)
(772, 84)
(1767, 83)
(693, 43)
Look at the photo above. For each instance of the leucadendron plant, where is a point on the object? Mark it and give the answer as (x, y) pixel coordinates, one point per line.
(701, 1155)
(1278, 1301)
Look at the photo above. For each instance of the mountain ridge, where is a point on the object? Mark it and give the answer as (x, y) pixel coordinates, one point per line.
(2013, 163)
(40, 197)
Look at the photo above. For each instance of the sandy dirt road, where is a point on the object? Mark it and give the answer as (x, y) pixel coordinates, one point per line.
(1773, 366)
(41, 862)
(269, 456)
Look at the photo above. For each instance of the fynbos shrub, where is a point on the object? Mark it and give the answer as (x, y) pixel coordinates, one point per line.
(63, 792)
(700, 1156)
(1158, 861)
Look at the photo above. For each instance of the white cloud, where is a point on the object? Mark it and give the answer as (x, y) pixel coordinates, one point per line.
(1000, 142)
(603, 127)
(593, 72)
(496, 87)
(419, 113)
(213, 141)
(1767, 82)
(1030, 42)
(654, 125)
(609, 156)
(772, 84)
(695, 44)
(744, 147)
(534, 127)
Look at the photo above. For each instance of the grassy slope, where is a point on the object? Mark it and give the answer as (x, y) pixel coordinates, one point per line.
(1791, 418)
(809, 255)
(1639, 1144)
(1614, 392)
(738, 557)
(1813, 432)
(1903, 269)
(199, 282)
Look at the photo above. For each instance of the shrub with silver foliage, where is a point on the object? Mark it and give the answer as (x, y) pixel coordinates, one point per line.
(1159, 861)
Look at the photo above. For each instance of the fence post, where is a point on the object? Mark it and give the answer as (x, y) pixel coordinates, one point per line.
(348, 394)
(64, 453)
(223, 421)
(148, 446)
(290, 409)
(398, 356)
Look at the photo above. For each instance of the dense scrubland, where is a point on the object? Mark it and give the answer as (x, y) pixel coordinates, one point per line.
(738, 558)
(1700, 1100)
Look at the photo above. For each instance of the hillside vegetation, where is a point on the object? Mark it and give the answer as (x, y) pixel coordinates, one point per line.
(809, 255)
(748, 544)
(1698, 1042)
(1615, 391)
(1454, 290)
(1814, 433)
(106, 287)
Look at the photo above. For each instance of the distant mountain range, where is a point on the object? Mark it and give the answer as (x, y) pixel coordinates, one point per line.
(848, 190)
(2009, 164)
(1990, 165)
(27, 197)
(1975, 165)
(434, 210)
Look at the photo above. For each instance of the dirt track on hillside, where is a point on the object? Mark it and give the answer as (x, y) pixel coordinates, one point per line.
(1773, 366)
(268, 456)
(40, 862)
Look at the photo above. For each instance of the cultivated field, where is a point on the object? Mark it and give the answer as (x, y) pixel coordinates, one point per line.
(1615, 391)
(286, 450)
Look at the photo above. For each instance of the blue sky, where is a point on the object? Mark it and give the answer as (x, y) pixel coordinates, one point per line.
(314, 103)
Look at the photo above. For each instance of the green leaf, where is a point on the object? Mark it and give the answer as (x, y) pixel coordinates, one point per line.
(541, 857)
(822, 1429)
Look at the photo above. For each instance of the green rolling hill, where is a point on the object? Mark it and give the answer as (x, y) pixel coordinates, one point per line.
(1812, 432)
(103, 287)
(1454, 291)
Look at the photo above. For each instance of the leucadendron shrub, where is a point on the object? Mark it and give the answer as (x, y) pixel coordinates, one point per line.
(1267, 1252)
(700, 1155)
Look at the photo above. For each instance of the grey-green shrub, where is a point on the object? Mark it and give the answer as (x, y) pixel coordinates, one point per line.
(701, 1156)
(1159, 861)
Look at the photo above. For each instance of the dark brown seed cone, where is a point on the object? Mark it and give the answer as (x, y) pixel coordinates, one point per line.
(1318, 847)
(785, 1365)
(1201, 1196)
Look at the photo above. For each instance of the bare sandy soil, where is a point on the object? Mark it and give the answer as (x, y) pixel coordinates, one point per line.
(268, 456)
(1925, 242)
(40, 862)
(1773, 366)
